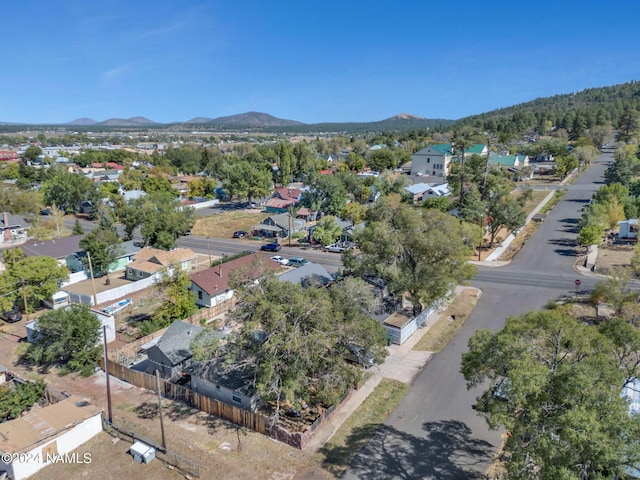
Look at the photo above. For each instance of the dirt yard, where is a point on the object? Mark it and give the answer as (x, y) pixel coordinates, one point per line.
(224, 224)
(614, 256)
(221, 450)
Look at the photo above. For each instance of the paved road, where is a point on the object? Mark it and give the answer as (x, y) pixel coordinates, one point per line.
(435, 433)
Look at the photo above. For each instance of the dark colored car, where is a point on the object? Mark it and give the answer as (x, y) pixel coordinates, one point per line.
(239, 234)
(357, 354)
(271, 247)
(11, 316)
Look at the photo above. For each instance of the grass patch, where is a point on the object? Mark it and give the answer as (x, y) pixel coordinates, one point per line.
(450, 321)
(538, 196)
(553, 201)
(525, 234)
(356, 432)
(224, 224)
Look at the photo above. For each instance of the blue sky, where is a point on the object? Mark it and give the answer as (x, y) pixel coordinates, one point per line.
(305, 60)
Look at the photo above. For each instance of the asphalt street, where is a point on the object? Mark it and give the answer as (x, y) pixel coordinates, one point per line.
(435, 433)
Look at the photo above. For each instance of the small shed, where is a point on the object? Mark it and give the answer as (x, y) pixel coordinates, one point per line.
(142, 453)
(628, 229)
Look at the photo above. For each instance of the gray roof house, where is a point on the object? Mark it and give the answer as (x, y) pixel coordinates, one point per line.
(172, 353)
(228, 383)
(14, 227)
(278, 226)
(59, 249)
(309, 275)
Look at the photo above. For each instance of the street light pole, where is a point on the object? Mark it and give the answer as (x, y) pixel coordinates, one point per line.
(209, 251)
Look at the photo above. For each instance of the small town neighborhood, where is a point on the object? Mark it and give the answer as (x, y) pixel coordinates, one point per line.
(172, 296)
(253, 297)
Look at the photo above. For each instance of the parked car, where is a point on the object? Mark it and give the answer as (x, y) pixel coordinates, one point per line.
(239, 234)
(298, 262)
(357, 354)
(271, 247)
(335, 247)
(280, 260)
(11, 316)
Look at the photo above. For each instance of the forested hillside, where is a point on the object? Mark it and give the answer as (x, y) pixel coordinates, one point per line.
(615, 105)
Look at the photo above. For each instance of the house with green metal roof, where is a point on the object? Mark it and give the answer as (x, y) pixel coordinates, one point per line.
(518, 165)
(509, 160)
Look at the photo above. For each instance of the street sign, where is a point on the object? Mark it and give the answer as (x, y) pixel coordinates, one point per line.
(578, 282)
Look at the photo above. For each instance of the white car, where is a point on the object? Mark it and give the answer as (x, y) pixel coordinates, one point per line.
(280, 260)
(337, 248)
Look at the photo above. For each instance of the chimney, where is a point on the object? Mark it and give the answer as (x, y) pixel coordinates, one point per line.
(220, 270)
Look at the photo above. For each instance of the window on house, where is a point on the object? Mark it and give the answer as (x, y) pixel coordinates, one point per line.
(139, 274)
(236, 399)
(428, 160)
(199, 294)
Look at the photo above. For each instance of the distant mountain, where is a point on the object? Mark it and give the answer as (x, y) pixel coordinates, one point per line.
(82, 122)
(254, 119)
(404, 116)
(128, 122)
(200, 120)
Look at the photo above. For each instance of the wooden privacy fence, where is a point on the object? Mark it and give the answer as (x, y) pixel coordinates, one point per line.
(238, 416)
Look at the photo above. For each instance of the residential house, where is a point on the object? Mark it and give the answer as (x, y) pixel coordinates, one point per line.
(9, 156)
(211, 286)
(152, 262)
(282, 199)
(309, 275)
(306, 214)
(229, 383)
(417, 191)
(278, 226)
(60, 249)
(14, 228)
(508, 160)
(517, 165)
(348, 231)
(127, 250)
(441, 190)
(172, 353)
(132, 194)
(42, 435)
(436, 159)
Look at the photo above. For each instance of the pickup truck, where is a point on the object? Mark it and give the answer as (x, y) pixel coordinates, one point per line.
(335, 247)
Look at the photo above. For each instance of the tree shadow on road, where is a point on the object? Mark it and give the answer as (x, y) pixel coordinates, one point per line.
(446, 452)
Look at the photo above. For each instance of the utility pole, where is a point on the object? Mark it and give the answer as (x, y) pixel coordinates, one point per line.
(106, 373)
(93, 282)
(24, 299)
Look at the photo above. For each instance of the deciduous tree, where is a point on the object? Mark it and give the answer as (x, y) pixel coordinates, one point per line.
(423, 253)
(555, 385)
(68, 337)
(327, 230)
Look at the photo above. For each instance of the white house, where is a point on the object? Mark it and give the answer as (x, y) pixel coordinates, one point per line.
(48, 435)
(211, 286)
(436, 159)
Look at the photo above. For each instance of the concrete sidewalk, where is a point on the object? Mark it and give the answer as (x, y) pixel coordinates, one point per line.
(402, 364)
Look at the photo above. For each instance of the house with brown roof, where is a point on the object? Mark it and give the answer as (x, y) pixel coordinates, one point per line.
(211, 286)
(150, 262)
(42, 435)
(282, 199)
